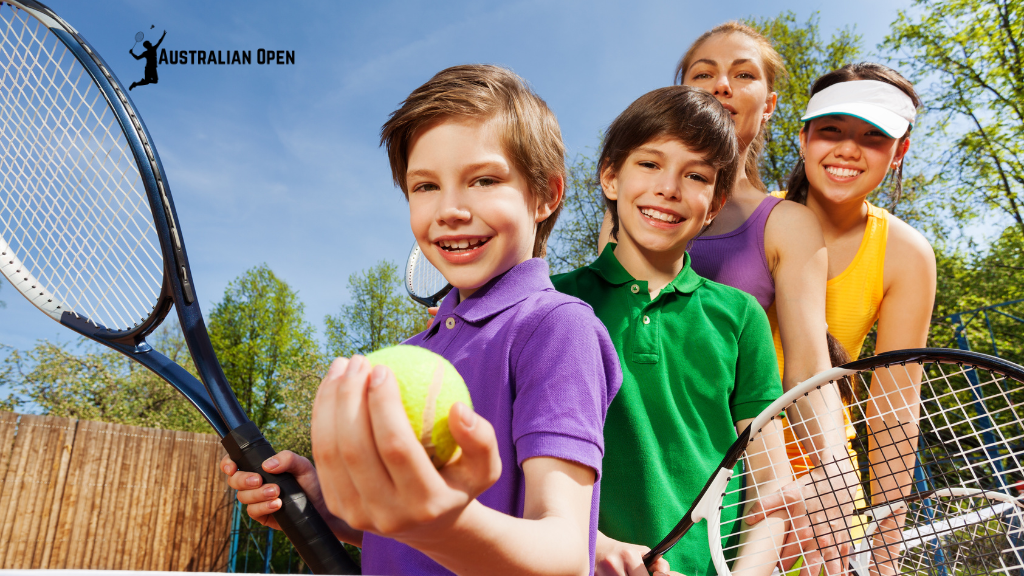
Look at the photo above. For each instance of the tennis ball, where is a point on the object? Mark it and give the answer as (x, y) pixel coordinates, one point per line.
(429, 386)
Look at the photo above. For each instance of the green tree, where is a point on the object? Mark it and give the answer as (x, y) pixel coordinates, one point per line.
(94, 383)
(806, 56)
(258, 333)
(573, 242)
(380, 314)
(971, 278)
(966, 59)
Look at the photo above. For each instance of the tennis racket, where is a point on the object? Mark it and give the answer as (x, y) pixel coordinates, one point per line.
(423, 281)
(89, 234)
(927, 483)
(138, 38)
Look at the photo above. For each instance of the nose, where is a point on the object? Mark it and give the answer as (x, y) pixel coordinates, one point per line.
(722, 87)
(847, 148)
(668, 187)
(452, 209)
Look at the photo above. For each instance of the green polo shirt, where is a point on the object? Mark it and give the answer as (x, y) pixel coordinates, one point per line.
(695, 360)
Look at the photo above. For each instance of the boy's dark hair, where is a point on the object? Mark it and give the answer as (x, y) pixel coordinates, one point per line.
(796, 188)
(690, 115)
(527, 129)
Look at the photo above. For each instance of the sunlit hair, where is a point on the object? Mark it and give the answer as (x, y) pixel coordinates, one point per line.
(774, 67)
(796, 189)
(690, 115)
(527, 129)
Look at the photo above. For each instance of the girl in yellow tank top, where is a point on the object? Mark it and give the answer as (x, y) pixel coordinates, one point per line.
(857, 129)
(852, 302)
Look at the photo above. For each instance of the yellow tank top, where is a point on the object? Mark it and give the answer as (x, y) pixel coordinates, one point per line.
(852, 300)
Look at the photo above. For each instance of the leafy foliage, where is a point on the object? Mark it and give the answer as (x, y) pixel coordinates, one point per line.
(971, 279)
(966, 58)
(807, 56)
(259, 333)
(574, 241)
(93, 383)
(380, 314)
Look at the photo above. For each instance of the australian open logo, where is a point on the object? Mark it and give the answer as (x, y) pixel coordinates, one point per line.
(264, 56)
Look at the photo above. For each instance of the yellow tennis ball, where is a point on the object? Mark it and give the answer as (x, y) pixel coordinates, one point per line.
(429, 385)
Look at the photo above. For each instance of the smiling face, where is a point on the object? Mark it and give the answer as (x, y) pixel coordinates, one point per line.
(846, 158)
(730, 67)
(664, 196)
(470, 209)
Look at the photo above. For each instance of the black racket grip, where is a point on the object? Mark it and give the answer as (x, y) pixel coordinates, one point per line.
(299, 520)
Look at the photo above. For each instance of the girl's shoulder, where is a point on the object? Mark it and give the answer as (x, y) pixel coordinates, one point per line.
(908, 254)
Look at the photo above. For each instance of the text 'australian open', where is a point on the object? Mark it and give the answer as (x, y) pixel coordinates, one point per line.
(226, 57)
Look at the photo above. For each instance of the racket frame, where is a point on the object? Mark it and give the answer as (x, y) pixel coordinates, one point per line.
(410, 266)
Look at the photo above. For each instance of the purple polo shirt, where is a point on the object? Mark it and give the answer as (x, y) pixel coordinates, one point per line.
(540, 368)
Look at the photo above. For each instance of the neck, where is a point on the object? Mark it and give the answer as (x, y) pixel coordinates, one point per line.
(743, 187)
(656, 268)
(837, 218)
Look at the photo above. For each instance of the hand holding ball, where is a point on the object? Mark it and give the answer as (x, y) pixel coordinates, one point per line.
(430, 385)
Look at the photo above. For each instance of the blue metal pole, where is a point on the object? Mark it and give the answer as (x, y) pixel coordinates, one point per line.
(270, 551)
(236, 519)
(991, 335)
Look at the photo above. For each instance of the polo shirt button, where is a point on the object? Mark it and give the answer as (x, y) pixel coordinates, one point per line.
(647, 319)
(634, 288)
(450, 323)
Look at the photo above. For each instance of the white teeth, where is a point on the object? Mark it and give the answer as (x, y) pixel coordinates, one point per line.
(842, 172)
(659, 215)
(461, 244)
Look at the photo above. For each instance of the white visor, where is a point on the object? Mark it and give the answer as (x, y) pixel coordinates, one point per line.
(878, 103)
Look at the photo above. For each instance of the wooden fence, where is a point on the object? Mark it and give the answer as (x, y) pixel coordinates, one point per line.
(91, 495)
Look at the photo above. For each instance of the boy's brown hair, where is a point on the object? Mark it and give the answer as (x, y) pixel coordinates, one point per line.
(527, 129)
(691, 115)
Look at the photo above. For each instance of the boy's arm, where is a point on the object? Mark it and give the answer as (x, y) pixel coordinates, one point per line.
(376, 476)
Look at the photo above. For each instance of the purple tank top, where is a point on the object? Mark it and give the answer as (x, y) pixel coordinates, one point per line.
(737, 258)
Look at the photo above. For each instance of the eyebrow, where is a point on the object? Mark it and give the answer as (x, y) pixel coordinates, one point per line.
(735, 62)
(652, 151)
(495, 166)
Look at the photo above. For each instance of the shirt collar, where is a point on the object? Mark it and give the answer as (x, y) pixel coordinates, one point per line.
(499, 293)
(607, 266)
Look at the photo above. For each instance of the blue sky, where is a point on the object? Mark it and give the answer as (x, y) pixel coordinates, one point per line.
(280, 164)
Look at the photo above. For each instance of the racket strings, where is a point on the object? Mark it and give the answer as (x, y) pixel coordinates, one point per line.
(73, 209)
(968, 435)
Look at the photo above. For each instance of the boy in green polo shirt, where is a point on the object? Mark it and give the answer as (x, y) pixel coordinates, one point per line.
(697, 357)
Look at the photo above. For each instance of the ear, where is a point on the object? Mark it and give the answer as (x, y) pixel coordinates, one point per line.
(803, 141)
(769, 106)
(713, 212)
(901, 152)
(609, 183)
(556, 186)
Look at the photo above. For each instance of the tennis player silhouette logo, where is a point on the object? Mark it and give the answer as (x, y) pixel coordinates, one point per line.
(150, 55)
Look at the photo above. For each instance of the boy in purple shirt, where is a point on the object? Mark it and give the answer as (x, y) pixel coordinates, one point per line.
(480, 158)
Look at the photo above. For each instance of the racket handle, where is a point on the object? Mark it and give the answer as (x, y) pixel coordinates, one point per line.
(299, 520)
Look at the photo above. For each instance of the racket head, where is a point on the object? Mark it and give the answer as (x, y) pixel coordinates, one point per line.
(908, 457)
(424, 283)
(88, 226)
(955, 465)
(139, 36)
(77, 233)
